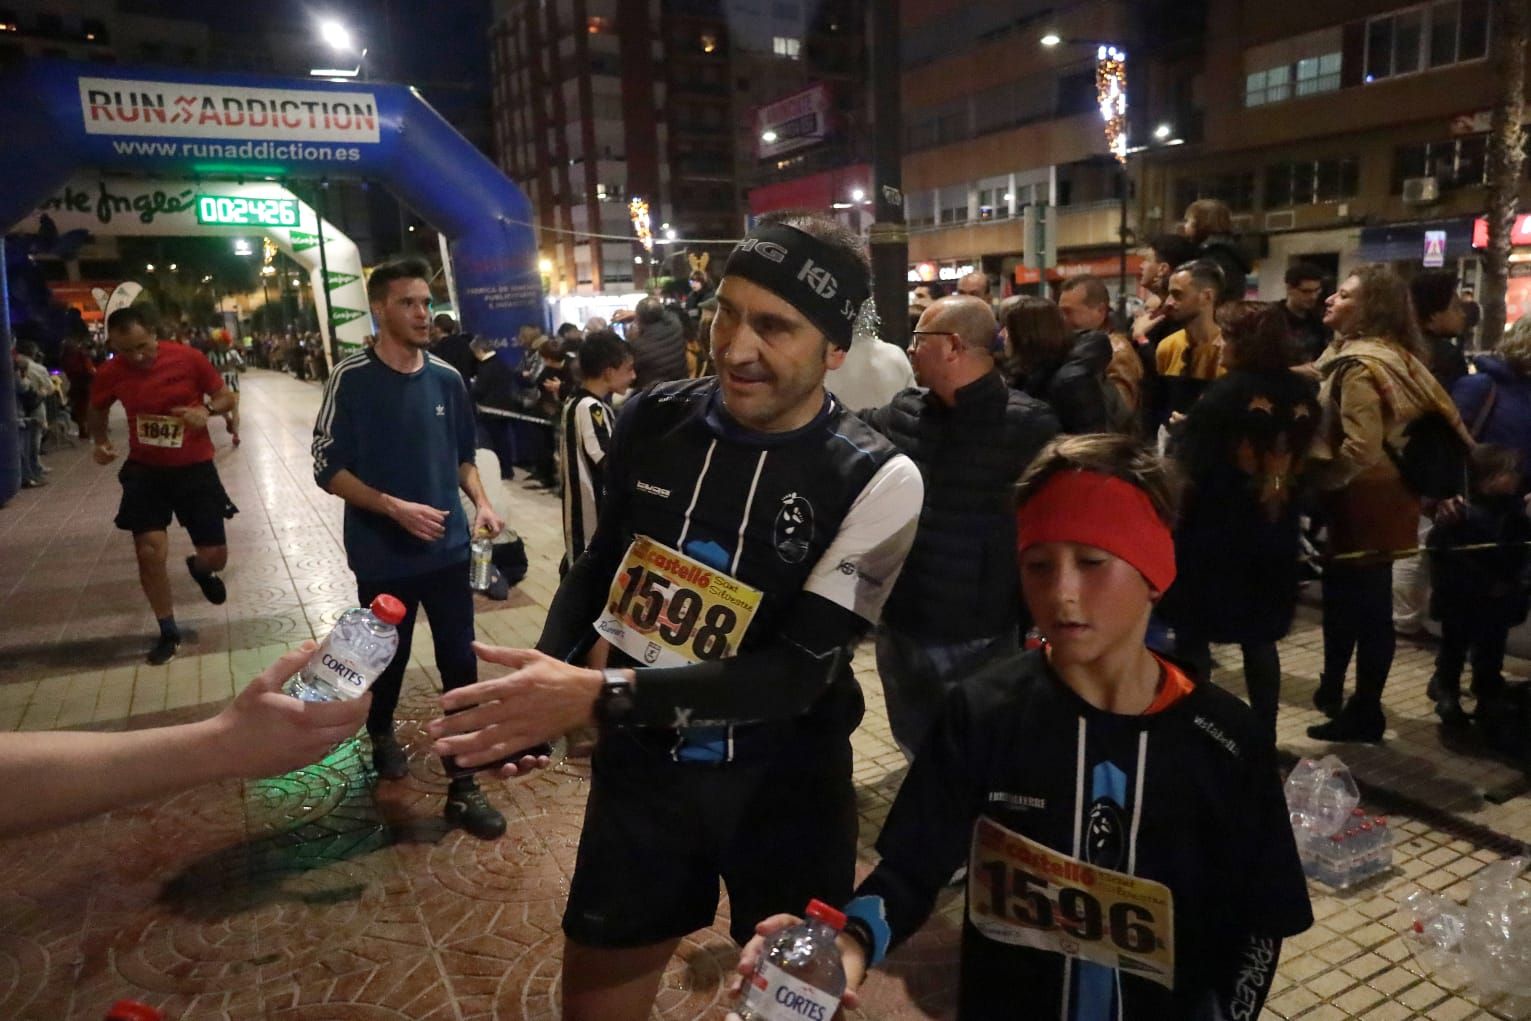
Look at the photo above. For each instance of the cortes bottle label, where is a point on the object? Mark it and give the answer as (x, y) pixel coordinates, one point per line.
(774, 995)
(342, 675)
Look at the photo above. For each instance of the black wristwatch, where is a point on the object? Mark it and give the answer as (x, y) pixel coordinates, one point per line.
(614, 705)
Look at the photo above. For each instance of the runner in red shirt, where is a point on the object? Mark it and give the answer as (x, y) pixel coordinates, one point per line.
(169, 469)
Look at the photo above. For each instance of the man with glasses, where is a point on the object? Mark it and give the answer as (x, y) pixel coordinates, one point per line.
(957, 605)
(1304, 323)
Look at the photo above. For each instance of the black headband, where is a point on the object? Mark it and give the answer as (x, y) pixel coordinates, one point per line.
(822, 281)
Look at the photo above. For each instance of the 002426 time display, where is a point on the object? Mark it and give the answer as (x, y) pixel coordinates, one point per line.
(234, 211)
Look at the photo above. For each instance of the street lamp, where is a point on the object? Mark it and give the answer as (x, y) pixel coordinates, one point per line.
(336, 34)
(338, 38)
(1111, 99)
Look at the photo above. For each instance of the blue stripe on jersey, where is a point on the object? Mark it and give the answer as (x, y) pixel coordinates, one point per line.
(1097, 983)
(705, 744)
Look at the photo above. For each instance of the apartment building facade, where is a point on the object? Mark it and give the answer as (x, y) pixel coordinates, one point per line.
(1351, 133)
(996, 121)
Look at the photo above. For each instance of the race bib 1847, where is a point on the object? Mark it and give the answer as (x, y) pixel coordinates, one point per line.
(1025, 894)
(666, 609)
(160, 430)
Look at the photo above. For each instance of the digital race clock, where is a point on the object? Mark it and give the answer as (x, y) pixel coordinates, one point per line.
(235, 211)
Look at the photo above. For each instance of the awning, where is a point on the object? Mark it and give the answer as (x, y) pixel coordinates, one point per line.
(1405, 242)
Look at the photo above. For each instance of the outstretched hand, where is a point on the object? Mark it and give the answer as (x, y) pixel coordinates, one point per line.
(266, 732)
(539, 700)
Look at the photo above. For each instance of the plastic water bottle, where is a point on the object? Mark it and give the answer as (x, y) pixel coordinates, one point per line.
(479, 572)
(358, 648)
(800, 977)
(1384, 843)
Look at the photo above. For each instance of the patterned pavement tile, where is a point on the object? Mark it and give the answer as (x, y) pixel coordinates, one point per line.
(326, 895)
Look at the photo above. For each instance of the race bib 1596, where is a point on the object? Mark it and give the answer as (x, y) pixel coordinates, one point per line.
(666, 609)
(1025, 894)
(160, 430)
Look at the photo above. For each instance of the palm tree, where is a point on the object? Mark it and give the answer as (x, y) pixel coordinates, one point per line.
(1506, 154)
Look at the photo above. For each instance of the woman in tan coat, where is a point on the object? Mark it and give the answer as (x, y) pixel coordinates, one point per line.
(1373, 385)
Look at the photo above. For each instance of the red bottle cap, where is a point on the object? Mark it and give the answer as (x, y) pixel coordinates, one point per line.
(388, 609)
(132, 1010)
(826, 914)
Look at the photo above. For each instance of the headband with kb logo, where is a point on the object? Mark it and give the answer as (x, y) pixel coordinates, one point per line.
(823, 282)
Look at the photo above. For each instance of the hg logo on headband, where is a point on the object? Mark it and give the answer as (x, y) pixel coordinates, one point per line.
(765, 249)
(821, 280)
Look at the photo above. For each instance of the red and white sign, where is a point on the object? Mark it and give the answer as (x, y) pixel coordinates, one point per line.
(120, 106)
(1106, 267)
(1520, 233)
(801, 119)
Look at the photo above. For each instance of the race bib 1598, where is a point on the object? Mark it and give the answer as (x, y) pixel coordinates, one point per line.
(1025, 894)
(666, 609)
(160, 430)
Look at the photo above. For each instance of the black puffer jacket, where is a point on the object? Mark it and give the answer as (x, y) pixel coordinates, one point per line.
(659, 352)
(1231, 258)
(959, 582)
(1075, 388)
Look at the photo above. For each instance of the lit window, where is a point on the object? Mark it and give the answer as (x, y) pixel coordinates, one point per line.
(786, 46)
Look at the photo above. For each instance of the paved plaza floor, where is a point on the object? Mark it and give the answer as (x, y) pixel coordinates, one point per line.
(326, 895)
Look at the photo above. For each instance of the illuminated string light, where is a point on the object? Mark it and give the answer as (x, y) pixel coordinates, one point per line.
(638, 209)
(1111, 96)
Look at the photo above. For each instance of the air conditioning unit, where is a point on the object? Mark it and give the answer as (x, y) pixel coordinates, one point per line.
(1420, 191)
(1242, 223)
(1286, 219)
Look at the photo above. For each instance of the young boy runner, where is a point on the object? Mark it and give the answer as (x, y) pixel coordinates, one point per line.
(1128, 848)
(584, 435)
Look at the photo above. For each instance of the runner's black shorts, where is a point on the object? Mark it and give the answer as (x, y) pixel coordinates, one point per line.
(193, 493)
(659, 834)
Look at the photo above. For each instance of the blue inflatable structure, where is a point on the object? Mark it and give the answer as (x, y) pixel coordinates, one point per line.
(59, 117)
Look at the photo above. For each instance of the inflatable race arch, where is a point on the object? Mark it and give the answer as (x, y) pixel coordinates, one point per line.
(64, 123)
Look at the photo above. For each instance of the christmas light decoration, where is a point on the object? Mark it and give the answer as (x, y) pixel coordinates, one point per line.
(638, 209)
(1111, 96)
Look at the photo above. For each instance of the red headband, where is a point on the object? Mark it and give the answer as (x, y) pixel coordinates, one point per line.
(1101, 511)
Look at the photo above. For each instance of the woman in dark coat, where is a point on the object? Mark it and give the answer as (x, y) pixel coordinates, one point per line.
(1064, 368)
(1242, 448)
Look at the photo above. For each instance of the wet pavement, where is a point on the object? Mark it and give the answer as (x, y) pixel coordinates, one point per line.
(326, 895)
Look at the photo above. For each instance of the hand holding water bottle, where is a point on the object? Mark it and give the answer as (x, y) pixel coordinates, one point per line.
(355, 652)
(264, 732)
(793, 963)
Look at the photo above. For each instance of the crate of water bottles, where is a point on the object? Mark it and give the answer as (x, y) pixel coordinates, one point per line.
(1339, 843)
(1357, 852)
